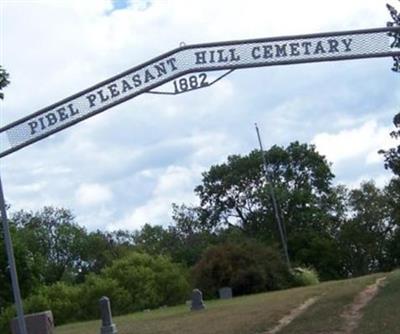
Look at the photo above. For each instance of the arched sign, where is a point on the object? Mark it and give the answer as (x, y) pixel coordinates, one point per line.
(334, 46)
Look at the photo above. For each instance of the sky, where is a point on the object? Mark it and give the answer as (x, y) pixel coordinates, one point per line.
(126, 166)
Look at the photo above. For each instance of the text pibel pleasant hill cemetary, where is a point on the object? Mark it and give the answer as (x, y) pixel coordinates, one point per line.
(196, 58)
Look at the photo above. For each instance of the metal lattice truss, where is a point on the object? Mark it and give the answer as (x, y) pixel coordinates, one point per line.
(188, 59)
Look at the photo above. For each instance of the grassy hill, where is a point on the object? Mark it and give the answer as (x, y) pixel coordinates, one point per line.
(258, 314)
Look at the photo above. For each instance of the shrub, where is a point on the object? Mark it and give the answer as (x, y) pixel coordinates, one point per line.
(132, 283)
(151, 281)
(62, 299)
(247, 268)
(96, 287)
(5, 317)
(305, 276)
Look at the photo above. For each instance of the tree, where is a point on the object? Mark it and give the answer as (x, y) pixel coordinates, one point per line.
(246, 267)
(4, 80)
(236, 193)
(235, 203)
(184, 242)
(54, 241)
(29, 270)
(392, 194)
(364, 236)
(392, 155)
(100, 249)
(154, 240)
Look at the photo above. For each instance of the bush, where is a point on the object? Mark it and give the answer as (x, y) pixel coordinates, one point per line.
(5, 317)
(79, 302)
(135, 282)
(62, 299)
(96, 287)
(305, 276)
(247, 268)
(151, 281)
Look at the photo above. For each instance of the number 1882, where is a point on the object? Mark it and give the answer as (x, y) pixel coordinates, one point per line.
(192, 82)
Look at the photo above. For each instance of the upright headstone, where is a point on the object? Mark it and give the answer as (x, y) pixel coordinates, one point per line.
(37, 323)
(197, 300)
(225, 293)
(107, 326)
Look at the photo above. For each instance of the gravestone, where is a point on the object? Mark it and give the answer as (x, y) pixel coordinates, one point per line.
(107, 326)
(225, 293)
(36, 323)
(197, 300)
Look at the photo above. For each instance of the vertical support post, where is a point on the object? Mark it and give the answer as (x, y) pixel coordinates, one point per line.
(274, 202)
(11, 262)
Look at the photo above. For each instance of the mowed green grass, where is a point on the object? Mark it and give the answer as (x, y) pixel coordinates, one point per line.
(259, 313)
(383, 314)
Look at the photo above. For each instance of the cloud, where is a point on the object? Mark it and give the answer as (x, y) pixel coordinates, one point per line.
(93, 194)
(380, 180)
(126, 166)
(360, 142)
(173, 185)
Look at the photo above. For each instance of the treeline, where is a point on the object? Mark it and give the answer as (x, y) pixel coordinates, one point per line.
(230, 239)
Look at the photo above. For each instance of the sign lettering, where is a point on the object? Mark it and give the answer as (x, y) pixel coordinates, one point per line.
(198, 58)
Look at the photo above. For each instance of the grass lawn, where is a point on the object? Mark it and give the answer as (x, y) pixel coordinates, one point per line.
(325, 315)
(383, 314)
(251, 314)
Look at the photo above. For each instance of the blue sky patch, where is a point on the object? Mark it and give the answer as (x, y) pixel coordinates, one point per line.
(122, 4)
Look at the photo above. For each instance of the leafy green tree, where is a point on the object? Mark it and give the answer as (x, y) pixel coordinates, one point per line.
(191, 234)
(235, 203)
(100, 249)
(392, 194)
(237, 193)
(364, 236)
(4, 81)
(392, 155)
(247, 267)
(54, 241)
(320, 251)
(154, 240)
(183, 242)
(28, 270)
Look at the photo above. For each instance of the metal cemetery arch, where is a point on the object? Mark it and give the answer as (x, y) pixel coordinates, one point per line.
(232, 55)
(357, 44)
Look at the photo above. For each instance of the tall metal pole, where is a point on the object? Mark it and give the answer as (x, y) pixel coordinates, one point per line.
(11, 262)
(274, 202)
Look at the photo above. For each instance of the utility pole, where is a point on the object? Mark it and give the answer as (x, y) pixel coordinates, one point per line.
(274, 202)
(12, 265)
(7, 237)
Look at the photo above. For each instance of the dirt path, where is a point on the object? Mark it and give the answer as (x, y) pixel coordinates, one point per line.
(286, 320)
(353, 313)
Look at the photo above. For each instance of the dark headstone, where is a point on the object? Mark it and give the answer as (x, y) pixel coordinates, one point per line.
(107, 326)
(37, 323)
(225, 293)
(197, 300)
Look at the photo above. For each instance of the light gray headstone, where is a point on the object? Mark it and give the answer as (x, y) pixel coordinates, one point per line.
(37, 323)
(225, 293)
(107, 326)
(197, 300)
